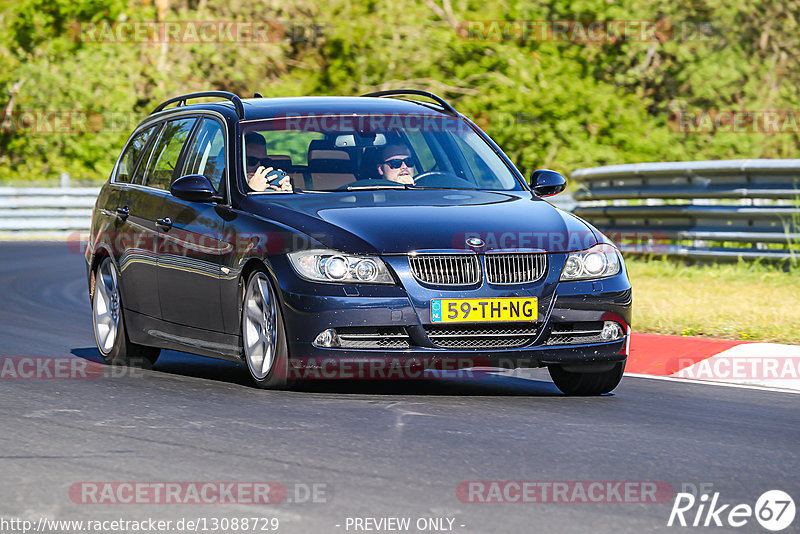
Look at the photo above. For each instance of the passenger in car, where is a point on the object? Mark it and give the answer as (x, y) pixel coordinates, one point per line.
(396, 164)
(258, 166)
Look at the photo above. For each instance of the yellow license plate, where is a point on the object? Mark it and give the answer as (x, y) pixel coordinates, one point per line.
(484, 310)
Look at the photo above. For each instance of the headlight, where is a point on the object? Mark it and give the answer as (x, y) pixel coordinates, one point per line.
(333, 266)
(599, 261)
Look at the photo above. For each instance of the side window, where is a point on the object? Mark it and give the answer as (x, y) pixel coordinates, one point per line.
(133, 153)
(206, 155)
(138, 178)
(488, 170)
(166, 153)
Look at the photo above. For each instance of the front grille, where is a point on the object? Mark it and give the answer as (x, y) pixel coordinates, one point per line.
(515, 268)
(482, 337)
(445, 269)
(372, 338)
(575, 333)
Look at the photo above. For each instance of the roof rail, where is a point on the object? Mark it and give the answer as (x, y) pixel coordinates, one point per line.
(399, 92)
(181, 100)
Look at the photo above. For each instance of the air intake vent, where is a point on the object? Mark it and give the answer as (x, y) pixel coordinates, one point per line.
(515, 268)
(372, 338)
(445, 269)
(575, 333)
(503, 336)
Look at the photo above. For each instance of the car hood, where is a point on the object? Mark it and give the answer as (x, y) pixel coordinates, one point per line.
(398, 222)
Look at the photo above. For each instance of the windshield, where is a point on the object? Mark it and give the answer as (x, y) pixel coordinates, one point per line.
(354, 152)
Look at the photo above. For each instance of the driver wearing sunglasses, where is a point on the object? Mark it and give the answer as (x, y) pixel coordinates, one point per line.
(396, 164)
(259, 167)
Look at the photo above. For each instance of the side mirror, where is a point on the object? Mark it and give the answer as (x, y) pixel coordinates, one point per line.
(194, 188)
(545, 183)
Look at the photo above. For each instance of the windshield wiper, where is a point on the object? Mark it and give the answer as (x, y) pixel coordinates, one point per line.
(370, 187)
(440, 187)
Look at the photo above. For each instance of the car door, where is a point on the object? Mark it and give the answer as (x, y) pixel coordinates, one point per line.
(189, 261)
(136, 242)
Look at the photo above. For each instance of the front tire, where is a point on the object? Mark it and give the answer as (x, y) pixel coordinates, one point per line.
(583, 383)
(108, 319)
(263, 336)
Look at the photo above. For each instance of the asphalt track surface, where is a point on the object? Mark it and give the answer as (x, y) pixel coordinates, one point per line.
(381, 449)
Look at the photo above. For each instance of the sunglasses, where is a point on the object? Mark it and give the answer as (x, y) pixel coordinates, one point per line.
(397, 163)
(252, 161)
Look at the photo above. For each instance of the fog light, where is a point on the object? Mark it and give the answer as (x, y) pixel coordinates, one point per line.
(327, 339)
(611, 331)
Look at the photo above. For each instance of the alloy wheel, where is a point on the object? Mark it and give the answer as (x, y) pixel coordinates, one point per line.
(260, 328)
(106, 307)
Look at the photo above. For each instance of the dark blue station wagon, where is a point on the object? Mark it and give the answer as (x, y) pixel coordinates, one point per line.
(347, 237)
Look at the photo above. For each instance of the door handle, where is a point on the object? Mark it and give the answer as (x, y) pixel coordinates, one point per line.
(123, 212)
(164, 224)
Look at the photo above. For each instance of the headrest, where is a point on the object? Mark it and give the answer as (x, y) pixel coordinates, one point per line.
(281, 159)
(328, 154)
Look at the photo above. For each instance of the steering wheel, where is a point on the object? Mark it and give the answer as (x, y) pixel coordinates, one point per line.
(368, 182)
(442, 179)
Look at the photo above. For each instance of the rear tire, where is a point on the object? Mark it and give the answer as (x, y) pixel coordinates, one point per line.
(108, 318)
(586, 383)
(264, 346)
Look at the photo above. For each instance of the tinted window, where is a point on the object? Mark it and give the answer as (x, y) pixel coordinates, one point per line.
(484, 169)
(138, 177)
(165, 156)
(132, 155)
(206, 155)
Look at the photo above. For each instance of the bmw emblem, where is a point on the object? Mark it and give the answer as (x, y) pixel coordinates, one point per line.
(475, 242)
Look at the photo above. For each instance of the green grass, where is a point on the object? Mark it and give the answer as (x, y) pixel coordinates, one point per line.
(744, 301)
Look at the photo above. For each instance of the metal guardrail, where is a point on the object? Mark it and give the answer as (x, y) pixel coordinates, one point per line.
(26, 209)
(697, 209)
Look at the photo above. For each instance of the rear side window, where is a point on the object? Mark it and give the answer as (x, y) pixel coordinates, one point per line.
(132, 155)
(138, 177)
(206, 155)
(167, 150)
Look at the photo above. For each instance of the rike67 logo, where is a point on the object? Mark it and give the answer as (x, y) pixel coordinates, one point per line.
(774, 510)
